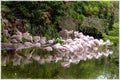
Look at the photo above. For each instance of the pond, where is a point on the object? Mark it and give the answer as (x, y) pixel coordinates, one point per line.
(102, 68)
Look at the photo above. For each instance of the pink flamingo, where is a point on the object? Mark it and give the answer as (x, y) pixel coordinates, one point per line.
(97, 42)
(36, 38)
(37, 44)
(27, 36)
(14, 41)
(36, 57)
(41, 61)
(27, 44)
(43, 40)
(49, 48)
(17, 59)
(18, 32)
(65, 64)
(17, 37)
(51, 41)
(5, 32)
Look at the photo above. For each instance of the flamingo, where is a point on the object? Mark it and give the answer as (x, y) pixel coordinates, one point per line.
(18, 32)
(49, 48)
(74, 47)
(65, 64)
(41, 61)
(109, 52)
(17, 37)
(5, 32)
(3, 61)
(89, 56)
(91, 42)
(36, 57)
(43, 40)
(51, 41)
(17, 59)
(27, 36)
(97, 42)
(36, 38)
(49, 59)
(68, 33)
(13, 41)
(28, 44)
(57, 58)
(91, 38)
(95, 48)
(58, 45)
(75, 61)
(68, 48)
(68, 41)
(108, 42)
(100, 54)
(76, 34)
(28, 56)
(37, 44)
(27, 61)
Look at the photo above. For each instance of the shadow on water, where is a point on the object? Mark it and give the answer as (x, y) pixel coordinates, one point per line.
(102, 68)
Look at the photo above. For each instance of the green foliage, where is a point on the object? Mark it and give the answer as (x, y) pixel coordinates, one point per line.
(41, 15)
(113, 34)
(4, 39)
(36, 14)
(51, 32)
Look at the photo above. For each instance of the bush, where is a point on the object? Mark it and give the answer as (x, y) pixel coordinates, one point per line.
(113, 34)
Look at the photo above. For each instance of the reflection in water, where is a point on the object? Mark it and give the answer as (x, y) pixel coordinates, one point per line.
(102, 77)
(106, 76)
(102, 68)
